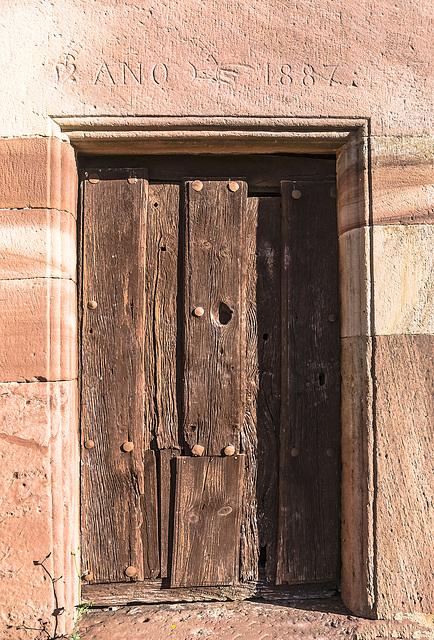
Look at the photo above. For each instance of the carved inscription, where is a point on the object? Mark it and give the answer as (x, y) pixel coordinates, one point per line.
(284, 75)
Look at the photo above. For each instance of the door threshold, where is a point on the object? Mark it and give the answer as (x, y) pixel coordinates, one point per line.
(158, 591)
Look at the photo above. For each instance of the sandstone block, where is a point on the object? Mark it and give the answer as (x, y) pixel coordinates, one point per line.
(352, 183)
(39, 330)
(355, 282)
(391, 267)
(37, 243)
(404, 510)
(357, 580)
(37, 172)
(403, 272)
(402, 180)
(39, 505)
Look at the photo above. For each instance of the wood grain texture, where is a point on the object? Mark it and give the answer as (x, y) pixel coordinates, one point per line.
(261, 172)
(249, 550)
(268, 294)
(151, 591)
(166, 486)
(207, 521)
(214, 344)
(114, 221)
(161, 324)
(149, 506)
(309, 495)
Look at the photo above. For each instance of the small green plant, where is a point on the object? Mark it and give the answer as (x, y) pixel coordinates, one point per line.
(83, 608)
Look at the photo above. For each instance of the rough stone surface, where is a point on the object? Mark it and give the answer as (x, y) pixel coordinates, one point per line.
(391, 268)
(190, 58)
(402, 181)
(37, 243)
(307, 620)
(38, 505)
(39, 173)
(404, 491)
(39, 330)
(358, 573)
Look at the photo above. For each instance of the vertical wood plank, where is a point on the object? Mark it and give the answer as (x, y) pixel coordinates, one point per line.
(249, 441)
(309, 493)
(268, 294)
(166, 484)
(161, 319)
(149, 505)
(214, 343)
(207, 521)
(114, 222)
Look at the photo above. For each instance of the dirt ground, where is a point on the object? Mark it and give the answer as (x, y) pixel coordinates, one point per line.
(246, 620)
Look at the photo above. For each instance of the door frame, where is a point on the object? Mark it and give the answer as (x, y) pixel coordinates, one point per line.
(349, 140)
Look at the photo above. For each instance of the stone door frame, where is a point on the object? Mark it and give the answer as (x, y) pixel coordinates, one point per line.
(349, 140)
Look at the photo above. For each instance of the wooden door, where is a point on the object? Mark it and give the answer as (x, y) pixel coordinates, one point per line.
(210, 375)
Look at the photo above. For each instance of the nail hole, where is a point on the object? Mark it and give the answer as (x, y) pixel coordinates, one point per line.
(321, 379)
(156, 205)
(90, 330)
(225, 313)
(163, 248)
(265, 336)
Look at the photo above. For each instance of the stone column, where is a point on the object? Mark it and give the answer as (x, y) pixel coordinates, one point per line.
(39, 463)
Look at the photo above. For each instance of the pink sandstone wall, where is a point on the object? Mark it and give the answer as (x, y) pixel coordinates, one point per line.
(315, 59)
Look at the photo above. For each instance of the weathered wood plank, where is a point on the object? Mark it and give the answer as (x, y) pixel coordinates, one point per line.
(260, 171)
(114, 221)
(214, 336)
(166, 482)
(206, 532)
(149, 505)
(308, 542)
(161, 324)
(268, 295)
(152, 591)
(249, 442)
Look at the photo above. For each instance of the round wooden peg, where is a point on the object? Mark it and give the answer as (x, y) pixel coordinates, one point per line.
(229, 450)
(197, 185)
(89, 444)
(127, 446)
(131, 572)
(197, 450)
(296, 194)
(233, 186)
(94, 178)
(131, 180)
(92, 304)
(294, 452)
(88, 577)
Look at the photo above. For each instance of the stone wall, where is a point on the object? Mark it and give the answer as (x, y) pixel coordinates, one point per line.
(169, 62)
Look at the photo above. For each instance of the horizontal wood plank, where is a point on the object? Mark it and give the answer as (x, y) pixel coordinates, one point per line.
(206, 532)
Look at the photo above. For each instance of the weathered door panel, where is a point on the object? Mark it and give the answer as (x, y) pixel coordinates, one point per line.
(259, 370)
(214, 314)
(207, 521)
(308, 539)
(114, 224)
